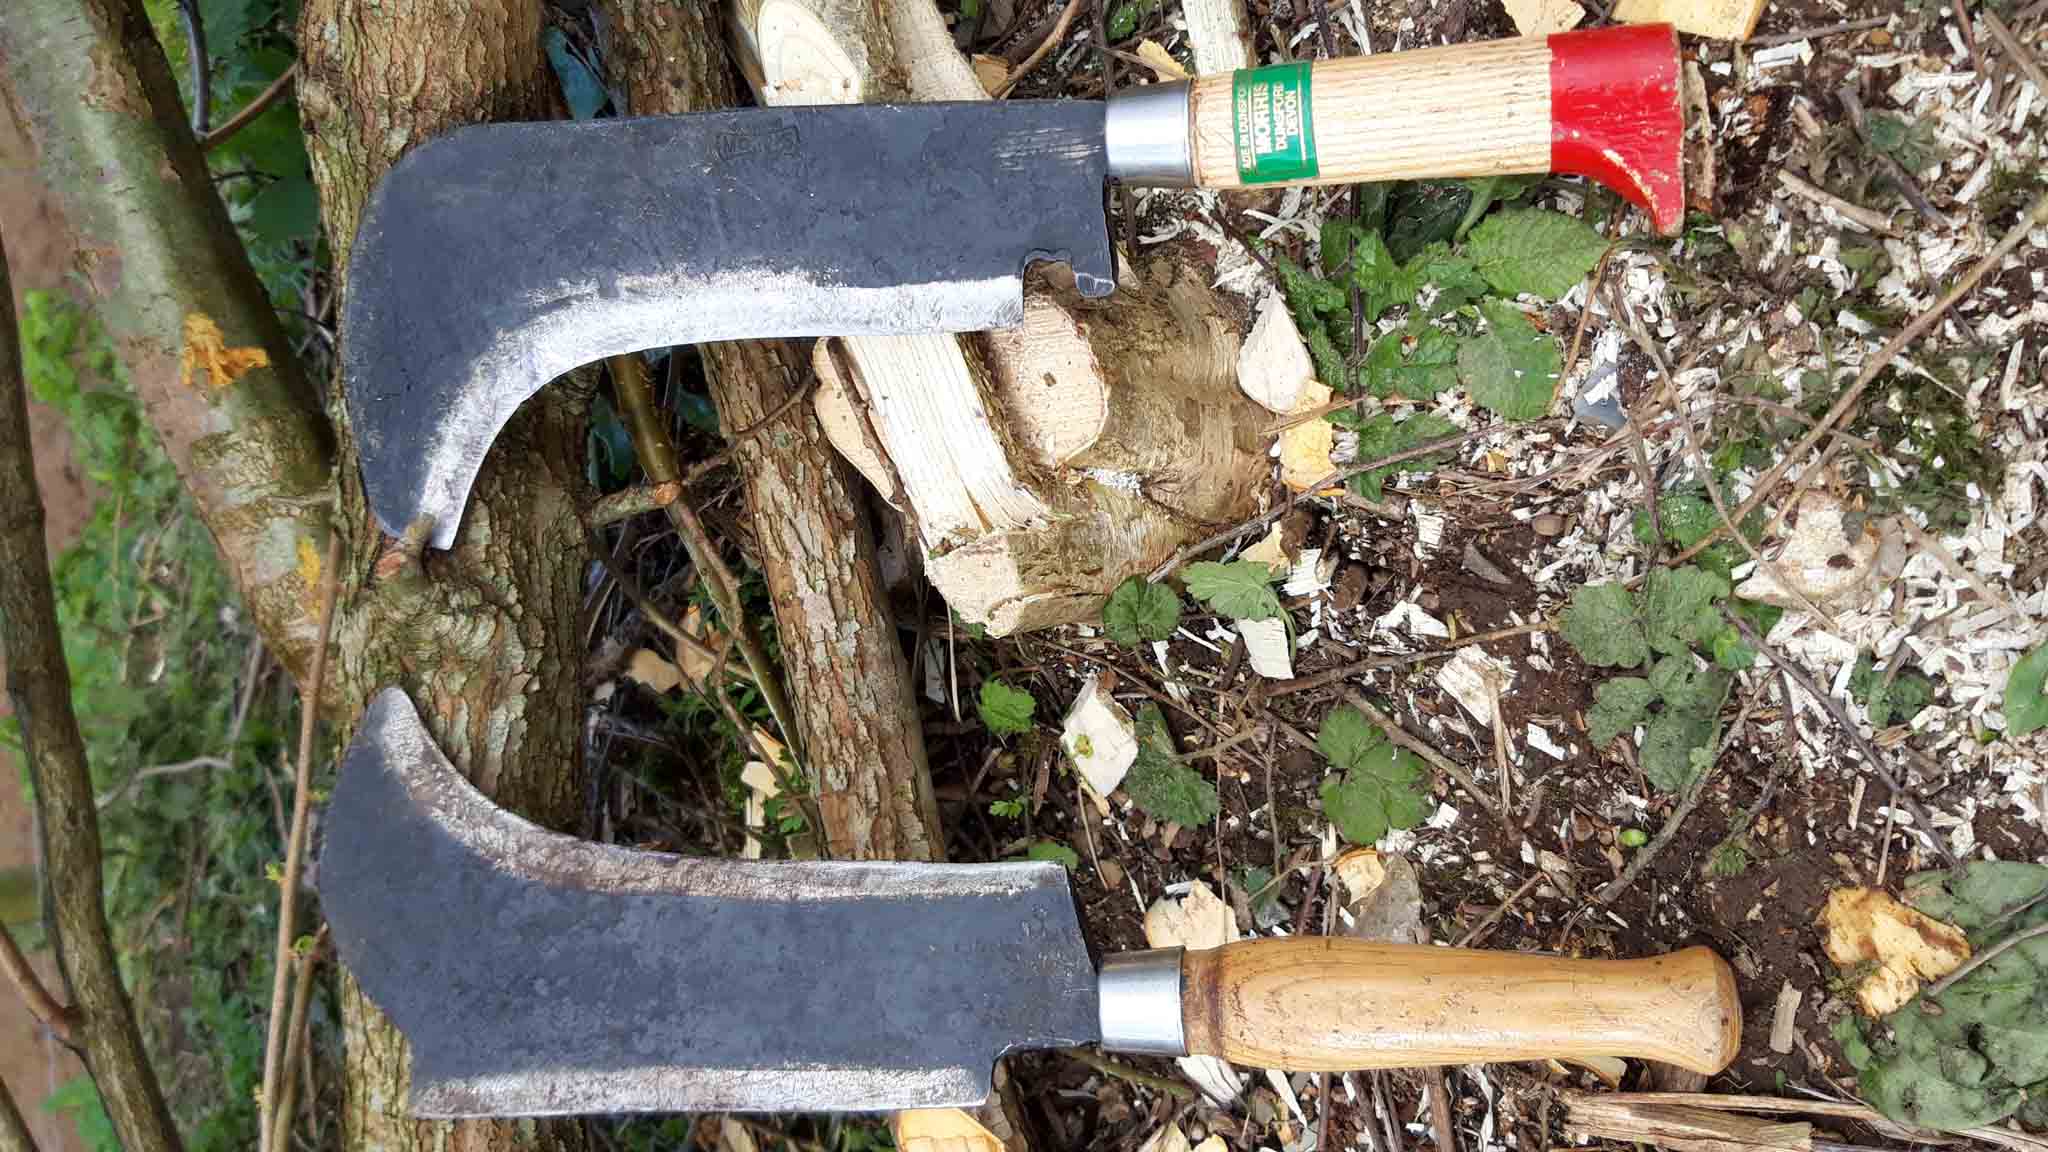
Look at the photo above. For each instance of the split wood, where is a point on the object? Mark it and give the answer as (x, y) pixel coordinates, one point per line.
(1436, 759)
(295, 851)
(1834, 709)
(1777, 1105)
(2035, 215)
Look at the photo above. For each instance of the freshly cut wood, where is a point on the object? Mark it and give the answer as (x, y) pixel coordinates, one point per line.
(1543, 17)
(942, 1130)
(1219, 34)
(1861, 927)
(1266, 647)
(1785, 1019)
(1197, 920)
(799, 51)
(1037, 466)
(1100, 738)
(1717, 19)
(1682, 1128)
(1305, 447)
(1273, 367)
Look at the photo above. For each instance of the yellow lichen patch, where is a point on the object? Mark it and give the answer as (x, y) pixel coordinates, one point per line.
(1866, 926)
(206, 350)
(309, 563)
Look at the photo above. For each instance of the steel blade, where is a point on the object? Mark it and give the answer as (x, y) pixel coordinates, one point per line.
(537, 974)
(499, 256)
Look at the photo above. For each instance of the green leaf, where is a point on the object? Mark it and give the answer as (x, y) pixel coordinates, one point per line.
(1668, 747)
(1309, 297)
(1263, 894)
(1140, 610)
(1422, 212)
(1241, 590)
(1457, 280)
(1981, 893)
(2026, 709)
(287, 209)
(1678, 608)
(1377, 787)
(1617, 705)
(1053, 851)
(1006, 710)
(1328, 359)
(1894, 703)
(1511, 367)
(1602, 626)
(1730, 650)
(1123, 20)
(1160, 783)
(1534, 250)
(1392, 368)
(1487, 189)
(1380, 436)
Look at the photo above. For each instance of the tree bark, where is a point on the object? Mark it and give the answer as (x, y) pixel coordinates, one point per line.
(188, 318)
(39, 684)
(482, 637)
(863, 742)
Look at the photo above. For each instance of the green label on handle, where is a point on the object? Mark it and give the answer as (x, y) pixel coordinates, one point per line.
(1275, 129)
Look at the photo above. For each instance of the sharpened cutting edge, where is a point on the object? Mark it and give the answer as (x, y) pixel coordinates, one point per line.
(537, 974)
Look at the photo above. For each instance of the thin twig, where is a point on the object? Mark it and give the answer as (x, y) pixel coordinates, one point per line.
(1947, 560)
(43, 1006)
(1337, 477)
(615, 564)
(2016, 50)
(657, 457)
(717, 460)
(1893, 170)
(1986, 956)
(1811, 688)
(1251, 733)
(1816, 32)
(1593, 279)
(1479, 930)
(1669, 831)
(637, 500)
(1052, 38)
(1868, 219)
(251, 110)
(178, 768)
(1442, 763)
(302, 994)
(1394, 659)
(1108, 1067)
(2035, 215)
(295, 845)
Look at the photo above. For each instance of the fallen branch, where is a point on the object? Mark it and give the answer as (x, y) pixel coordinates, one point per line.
(1816, 32)
(1775, 1105)
(1868, 219)
(2035, 215)
(1389, 660)
(1438, 760)
(638, 500)
(1869, 752)
(295, 849)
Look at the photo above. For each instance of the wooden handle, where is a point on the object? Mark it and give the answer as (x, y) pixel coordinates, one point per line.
(1317, 1004)
(1603, 103)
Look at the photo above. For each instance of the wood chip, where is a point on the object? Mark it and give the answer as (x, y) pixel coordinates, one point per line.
(992, 73)
(1718, 19)
(942, 1130)
(1543, 17)
(1861, 926)
(1100, 738)
(1273, 365)
(1785, 1019)
(1160, 61)
(1267, 648)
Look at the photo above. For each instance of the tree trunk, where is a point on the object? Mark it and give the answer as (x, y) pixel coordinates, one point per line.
(1038, 467)
(482, 637)
(174, 288)
(863, 742)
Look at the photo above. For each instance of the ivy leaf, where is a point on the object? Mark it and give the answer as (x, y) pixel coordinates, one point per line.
(1140, 610)
(1005, 710)
(2026, 709)
(1678, 608)
(1601, 625)
(1511, 367)
(1241, 590)
(1377, 787)
(1617, 705)
(1160, 783)
(1534, 250)
(1380, 436)
(1392, 368)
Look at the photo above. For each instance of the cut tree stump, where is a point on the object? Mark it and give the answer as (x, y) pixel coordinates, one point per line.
(1040, 466)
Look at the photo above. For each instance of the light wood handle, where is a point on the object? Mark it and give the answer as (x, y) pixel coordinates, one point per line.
(1317, 1004)
(1602, 103)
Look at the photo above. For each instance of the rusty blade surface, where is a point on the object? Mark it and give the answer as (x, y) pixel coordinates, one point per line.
(494, 258)
(538, 974)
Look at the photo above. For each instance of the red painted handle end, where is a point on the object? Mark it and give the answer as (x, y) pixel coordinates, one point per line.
(1615, 115)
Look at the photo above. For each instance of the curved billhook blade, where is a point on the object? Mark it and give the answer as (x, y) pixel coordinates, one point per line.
(499, 256)
(537, 974)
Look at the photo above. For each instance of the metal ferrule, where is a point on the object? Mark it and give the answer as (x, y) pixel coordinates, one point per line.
(1148, 138)
(1139, 998)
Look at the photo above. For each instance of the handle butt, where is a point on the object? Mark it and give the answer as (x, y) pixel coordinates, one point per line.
(1315, 1004)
